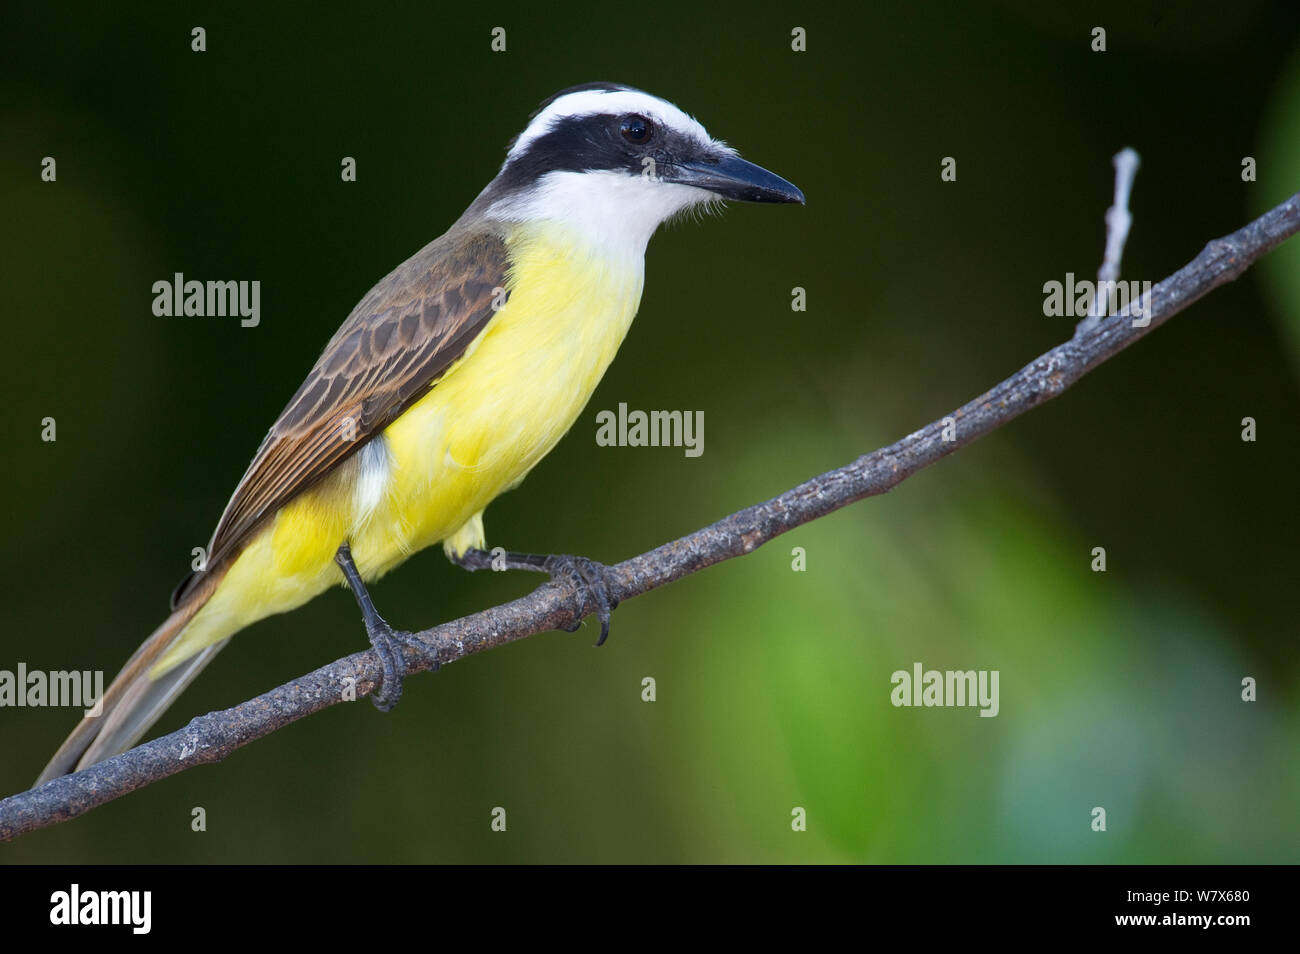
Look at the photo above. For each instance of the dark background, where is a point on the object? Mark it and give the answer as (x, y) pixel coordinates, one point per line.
(1119, 690)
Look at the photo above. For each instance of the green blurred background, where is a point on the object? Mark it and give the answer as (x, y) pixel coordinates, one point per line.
(1118, 689)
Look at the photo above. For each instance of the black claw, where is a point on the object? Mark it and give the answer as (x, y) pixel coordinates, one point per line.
(387, 644)
(591, 576)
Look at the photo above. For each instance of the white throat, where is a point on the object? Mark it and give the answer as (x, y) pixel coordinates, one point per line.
(613, 212)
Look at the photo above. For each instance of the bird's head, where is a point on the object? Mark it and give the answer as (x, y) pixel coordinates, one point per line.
(615, 162)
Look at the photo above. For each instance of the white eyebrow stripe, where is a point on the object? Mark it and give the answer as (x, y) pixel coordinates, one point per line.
(591, 101)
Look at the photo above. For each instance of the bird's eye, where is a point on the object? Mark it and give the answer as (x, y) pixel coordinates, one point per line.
(636, 129)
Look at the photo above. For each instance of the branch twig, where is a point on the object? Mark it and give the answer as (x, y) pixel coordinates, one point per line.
(212, 737)
(1118, 222)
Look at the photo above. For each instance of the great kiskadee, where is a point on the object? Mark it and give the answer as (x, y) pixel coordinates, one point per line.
(444, 387)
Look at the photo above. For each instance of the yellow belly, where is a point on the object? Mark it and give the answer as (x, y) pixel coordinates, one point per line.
(477, 433)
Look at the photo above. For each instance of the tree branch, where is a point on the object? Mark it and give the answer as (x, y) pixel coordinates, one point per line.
(212, 737)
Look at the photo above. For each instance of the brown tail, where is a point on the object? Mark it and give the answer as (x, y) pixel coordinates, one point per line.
(134, 702)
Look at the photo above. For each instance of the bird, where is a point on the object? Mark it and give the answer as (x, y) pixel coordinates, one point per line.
(446, 384)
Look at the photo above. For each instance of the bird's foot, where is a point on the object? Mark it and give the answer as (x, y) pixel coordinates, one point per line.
(387, 642)
(591, 584)
(590, 580)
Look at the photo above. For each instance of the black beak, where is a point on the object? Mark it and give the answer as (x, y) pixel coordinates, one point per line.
(733, 178)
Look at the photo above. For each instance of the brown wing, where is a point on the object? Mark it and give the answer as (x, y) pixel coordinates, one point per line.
(396, 343)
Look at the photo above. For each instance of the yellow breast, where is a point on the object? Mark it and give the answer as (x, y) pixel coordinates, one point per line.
(509, 400)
